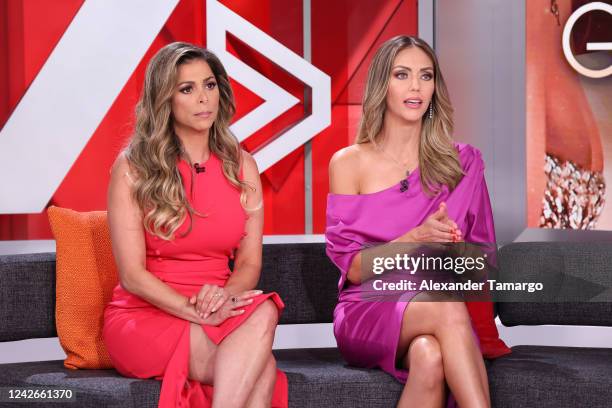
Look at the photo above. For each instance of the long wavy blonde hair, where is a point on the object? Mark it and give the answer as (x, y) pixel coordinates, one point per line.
(154, 149)
(438, 159)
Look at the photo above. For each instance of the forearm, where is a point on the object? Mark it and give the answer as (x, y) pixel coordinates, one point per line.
(148, 287)
(357, 274)
(244, 277)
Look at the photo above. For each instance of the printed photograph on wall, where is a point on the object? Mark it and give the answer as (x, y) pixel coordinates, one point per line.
(569, 114)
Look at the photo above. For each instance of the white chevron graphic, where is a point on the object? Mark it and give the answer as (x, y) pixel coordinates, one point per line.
(219, 20)
(71, 95)
(86, 71)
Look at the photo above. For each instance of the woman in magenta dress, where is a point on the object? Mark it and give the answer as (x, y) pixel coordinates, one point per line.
(404, 180)
(183, 200)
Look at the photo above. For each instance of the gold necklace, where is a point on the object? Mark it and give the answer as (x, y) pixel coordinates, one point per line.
(401, 165)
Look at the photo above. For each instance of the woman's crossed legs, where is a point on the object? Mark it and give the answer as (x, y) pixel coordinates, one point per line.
(437, 344)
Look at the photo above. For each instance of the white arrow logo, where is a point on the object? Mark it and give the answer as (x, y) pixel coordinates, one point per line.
(71, 95)
(219, 20)
(87, 70)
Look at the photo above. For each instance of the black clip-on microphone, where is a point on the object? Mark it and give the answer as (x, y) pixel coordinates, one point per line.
(199, 169)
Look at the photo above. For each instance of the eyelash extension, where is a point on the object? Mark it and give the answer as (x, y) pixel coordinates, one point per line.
(214, 84)
(403, 73)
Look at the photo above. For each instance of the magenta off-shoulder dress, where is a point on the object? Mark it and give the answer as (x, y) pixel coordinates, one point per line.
(368, 332)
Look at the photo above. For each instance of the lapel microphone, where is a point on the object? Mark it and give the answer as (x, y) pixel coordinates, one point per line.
(199, 169)
(404, 183)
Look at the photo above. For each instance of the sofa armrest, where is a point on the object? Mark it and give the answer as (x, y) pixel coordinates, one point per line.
(27, 296)
(568, 271)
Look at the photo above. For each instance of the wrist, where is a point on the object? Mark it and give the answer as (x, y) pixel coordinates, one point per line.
(230, 290)
(188, 310)
(412, 235)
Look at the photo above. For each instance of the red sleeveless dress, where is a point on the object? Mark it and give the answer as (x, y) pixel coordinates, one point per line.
(146, 342)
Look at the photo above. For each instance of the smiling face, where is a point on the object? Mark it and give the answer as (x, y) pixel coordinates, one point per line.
(195, 100)
(411, 85)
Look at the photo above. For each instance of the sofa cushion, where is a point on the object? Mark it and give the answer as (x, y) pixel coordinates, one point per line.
(92, 388)
(27, 280)
(532, 376)
(321, 378)
(302, 274)
(577, 279)
(317, 378)
(305, 279)
(555, 377)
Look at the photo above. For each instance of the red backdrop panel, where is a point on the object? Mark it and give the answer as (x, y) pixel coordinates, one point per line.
(344, 36)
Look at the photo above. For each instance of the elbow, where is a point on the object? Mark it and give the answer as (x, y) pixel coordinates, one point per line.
(127, 282)
(250, 269)
(353, 277)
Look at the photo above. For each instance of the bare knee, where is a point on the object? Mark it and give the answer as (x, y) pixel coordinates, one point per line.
(265, 318)
(425, 361)
(426, 317)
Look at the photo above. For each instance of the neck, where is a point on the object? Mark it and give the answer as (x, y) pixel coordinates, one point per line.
(195, 144)
(401, 139)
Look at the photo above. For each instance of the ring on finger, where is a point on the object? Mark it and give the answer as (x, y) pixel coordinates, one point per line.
(217, 294)
(234, 299)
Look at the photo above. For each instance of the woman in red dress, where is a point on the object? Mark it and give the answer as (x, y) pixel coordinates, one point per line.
(183, 199)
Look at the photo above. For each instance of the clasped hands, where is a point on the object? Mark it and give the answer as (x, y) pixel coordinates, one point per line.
(437, 227)
(439, 231)
(214, 304)
(440, 228)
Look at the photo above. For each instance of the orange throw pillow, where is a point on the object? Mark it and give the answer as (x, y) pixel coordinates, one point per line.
(85, 278)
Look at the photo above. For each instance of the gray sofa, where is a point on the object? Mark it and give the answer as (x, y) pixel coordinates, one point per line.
(532, 376)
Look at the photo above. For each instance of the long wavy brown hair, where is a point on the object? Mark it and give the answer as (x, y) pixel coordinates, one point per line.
(438, 159)
(154, 149)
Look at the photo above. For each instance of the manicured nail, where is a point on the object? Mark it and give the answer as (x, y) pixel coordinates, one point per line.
(204, 316)
(258, 292)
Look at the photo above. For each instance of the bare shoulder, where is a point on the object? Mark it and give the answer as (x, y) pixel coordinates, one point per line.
(250, 174)
(121, 169)
(121, 163)
(249, 166)
(344, 170)
(120, 198)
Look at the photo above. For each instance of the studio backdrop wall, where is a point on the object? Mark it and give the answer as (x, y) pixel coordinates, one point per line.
(71, 72)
